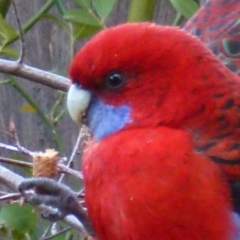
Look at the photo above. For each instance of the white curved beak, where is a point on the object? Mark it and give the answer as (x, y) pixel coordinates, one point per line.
(78, 100)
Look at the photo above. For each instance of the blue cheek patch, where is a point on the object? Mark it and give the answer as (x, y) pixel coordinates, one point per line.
(236, 221)
(104, 119)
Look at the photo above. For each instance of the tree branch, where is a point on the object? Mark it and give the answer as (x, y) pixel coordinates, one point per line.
(33, 74)
(9, 178)
(22, 53)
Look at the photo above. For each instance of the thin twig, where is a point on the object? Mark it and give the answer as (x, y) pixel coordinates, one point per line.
(76, 146)
(16, 149)
(9, 147)
(5, 132)
(10, 197)
(57, 234)
(61, 167)
(83, 133)
(16, 162)
(32, 21)
(12, 130)
(22, 52)
(36, 75)
(65, 169)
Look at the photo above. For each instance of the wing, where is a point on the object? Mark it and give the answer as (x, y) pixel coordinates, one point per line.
(217, 23)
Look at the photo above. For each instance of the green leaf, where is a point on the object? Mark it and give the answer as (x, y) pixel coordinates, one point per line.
(6, 30)
(3, 231)
(141, 11)
(27, 108)
(4, 82)
(186, 7)
(17, 235)
(84, 30)
(84, 3)
(81, 16)
(103, 7)
(19, 218)
(4, 6)
(10, 52)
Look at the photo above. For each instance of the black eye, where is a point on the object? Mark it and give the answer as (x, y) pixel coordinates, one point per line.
(115, 80)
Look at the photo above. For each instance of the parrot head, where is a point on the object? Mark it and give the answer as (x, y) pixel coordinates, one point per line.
(141, 74)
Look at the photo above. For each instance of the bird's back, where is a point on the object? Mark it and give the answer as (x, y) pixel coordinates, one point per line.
(217, 24)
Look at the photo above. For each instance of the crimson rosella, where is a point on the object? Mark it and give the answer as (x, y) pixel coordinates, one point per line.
(164, 119)
(164, 159)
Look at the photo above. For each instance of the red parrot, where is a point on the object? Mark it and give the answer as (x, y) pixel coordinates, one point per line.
(165, 125)
(217, 24)
(164, 161)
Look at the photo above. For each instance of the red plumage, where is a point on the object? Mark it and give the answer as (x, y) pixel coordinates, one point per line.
(217, 25)
(148, 184)
(193, 91)
(154, 179)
